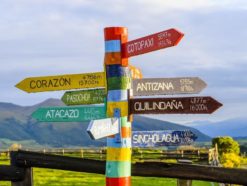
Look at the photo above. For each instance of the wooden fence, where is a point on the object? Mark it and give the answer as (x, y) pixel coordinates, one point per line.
(138, 154)
(20, 170)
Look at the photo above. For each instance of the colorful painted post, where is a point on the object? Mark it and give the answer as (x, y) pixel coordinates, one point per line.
(118, 161)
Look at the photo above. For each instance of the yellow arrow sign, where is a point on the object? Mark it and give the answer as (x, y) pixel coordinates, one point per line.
(62, 82)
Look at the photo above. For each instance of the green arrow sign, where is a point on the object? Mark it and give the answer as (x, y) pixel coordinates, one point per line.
(69, 114)
(93, 96)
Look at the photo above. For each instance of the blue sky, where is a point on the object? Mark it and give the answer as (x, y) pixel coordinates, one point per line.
(50, 37)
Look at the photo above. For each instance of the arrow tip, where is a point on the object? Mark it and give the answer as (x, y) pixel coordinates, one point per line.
(89, 130)
(22, 86)
(63, 99)
(200, 84)
(36, 114)
(178, 35)
(215, 105)
(90, 135)
(18, 85)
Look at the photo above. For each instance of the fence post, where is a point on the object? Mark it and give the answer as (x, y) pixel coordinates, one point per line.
(28, 175)
(7, 154)
(183, 182)
(101, 154)
(81, 153)
(141, 155)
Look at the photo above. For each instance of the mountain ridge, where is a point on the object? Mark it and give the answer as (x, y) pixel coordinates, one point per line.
(16, 123)
(235, 127)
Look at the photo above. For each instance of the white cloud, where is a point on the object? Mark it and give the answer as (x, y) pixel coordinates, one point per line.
(48, 37)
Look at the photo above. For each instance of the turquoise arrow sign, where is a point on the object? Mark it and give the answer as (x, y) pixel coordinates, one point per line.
(69, 114)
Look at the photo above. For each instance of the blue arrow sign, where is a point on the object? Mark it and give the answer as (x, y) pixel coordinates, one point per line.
(162, 138)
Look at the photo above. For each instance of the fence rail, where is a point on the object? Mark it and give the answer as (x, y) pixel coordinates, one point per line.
(197, 155)
(21, 161)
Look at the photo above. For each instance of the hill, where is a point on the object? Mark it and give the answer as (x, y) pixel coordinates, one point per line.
(236, 127)
(16, 124)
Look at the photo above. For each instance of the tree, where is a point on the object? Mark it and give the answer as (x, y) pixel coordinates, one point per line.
(228, 151)
(226, 145)
(15, 146)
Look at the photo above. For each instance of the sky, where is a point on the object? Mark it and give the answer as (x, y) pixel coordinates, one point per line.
(50, 37)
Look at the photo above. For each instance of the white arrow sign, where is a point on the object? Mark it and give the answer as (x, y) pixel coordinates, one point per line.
(103, 127)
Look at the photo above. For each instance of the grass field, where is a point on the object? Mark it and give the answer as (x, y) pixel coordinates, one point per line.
(51, 177)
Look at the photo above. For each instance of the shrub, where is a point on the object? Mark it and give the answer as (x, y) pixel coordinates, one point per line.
(230, 160)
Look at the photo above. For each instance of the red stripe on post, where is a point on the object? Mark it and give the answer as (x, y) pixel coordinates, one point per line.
(123, 181)
(116, 33)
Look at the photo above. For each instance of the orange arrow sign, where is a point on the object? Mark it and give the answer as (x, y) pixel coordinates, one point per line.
(136, 73)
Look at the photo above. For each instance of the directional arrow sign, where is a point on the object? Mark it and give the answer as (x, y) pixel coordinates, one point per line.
(162, 86)
(162, 138)
(81, 97)
(181, 105)
(62, 82)
(102, 128)
(69, 114)
(136, 73)
(164, 39)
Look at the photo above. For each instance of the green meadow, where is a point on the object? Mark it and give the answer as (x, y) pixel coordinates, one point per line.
(51, 177)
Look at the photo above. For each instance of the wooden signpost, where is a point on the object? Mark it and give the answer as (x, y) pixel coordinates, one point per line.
(180, 105)
(84, 97)
(62, 82)
(103, 128)
(118, 158)
(162, 86)
(162, 138)
(113, 88)
(69, 114)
